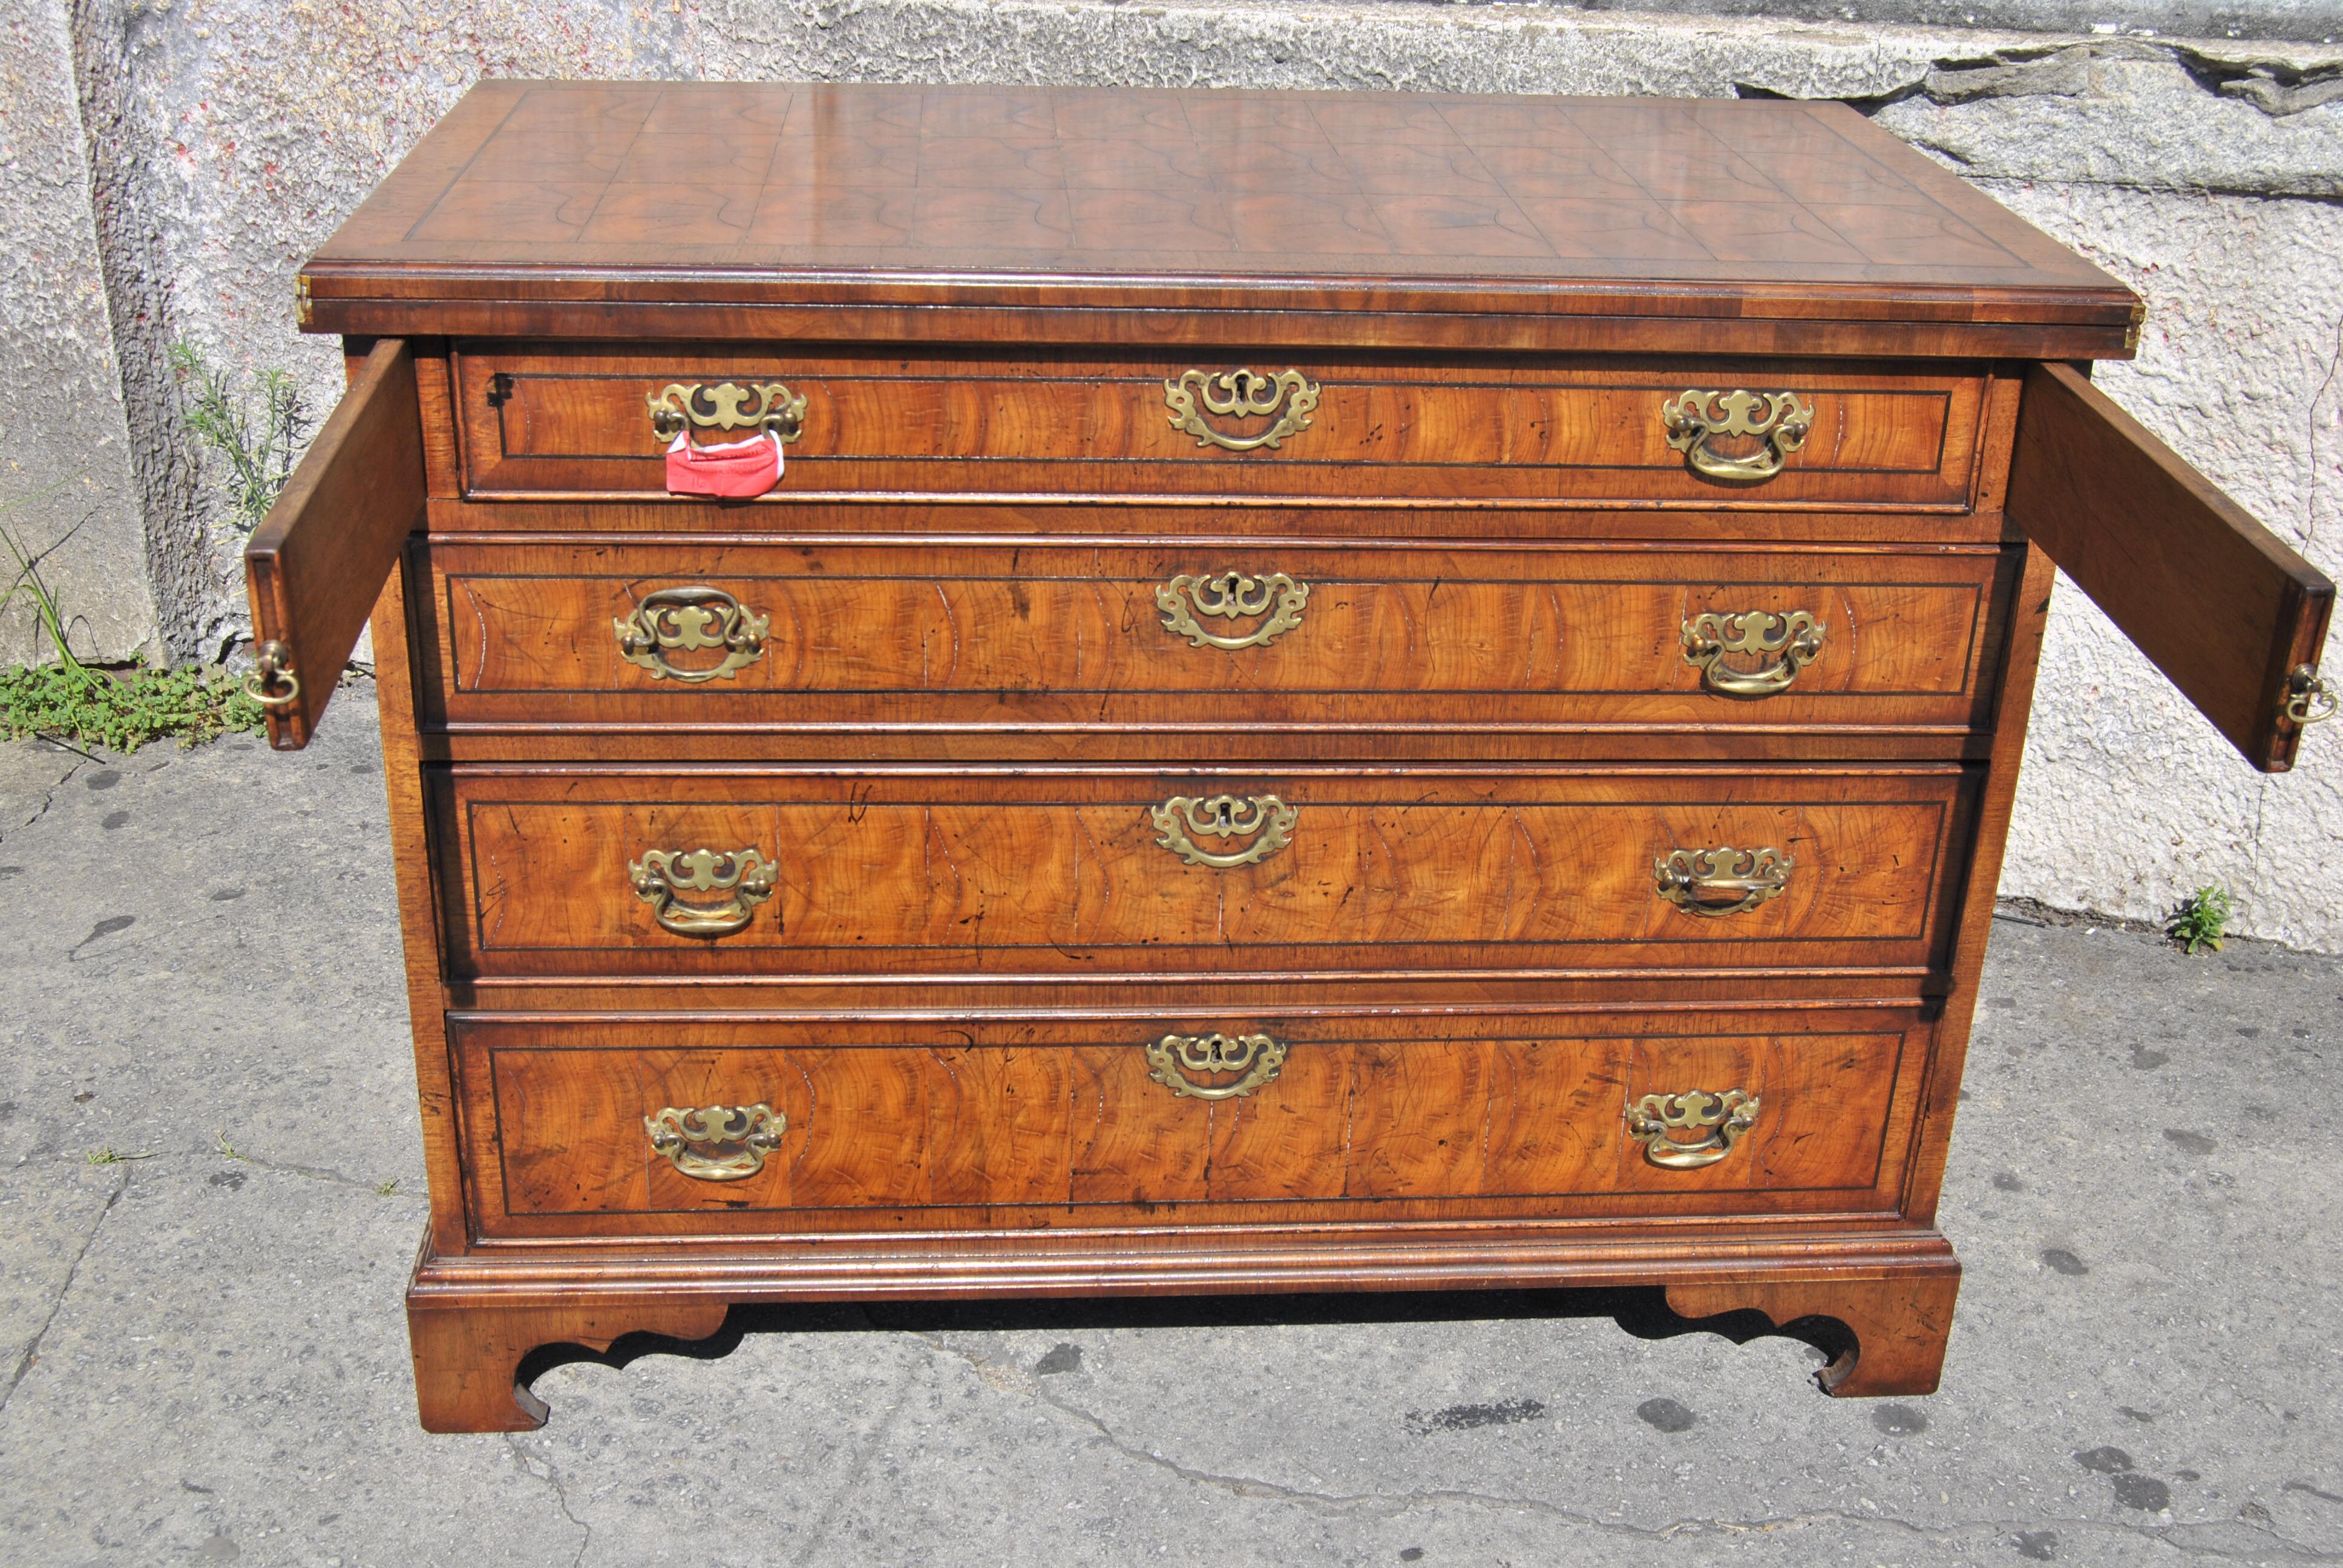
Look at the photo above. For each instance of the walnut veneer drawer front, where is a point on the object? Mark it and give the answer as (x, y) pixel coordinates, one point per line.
(650, 1125)
(1225, 642)
(580, 421)
(979, 874)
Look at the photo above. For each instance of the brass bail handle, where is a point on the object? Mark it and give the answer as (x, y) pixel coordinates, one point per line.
(1781, 419)
(693, 620)
(272, 682)
(666, 879)
(1267, 820)
(1724, 1118)
(1714, 883)
(2310, 698)
(1178, 1061)
(726, 405)
(1276, 597)
(1240, 394)
(1788, 643)
(717, 1142)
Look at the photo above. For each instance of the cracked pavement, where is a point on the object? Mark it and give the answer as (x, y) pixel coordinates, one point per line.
(206, 1360)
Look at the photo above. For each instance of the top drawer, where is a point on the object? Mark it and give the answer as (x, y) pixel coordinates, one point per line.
(557, 421)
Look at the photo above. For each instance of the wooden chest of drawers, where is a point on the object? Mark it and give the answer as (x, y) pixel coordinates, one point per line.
(1329, 690)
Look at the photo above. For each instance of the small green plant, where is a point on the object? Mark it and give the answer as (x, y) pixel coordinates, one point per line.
(227, 1149)
(388, 1189)
(257, 433)
(122, 710)
(106, 1156)
(2200, 919)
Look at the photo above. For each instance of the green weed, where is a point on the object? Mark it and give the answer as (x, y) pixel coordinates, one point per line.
(106, 1156)
(257, 433)
(122, 710)
(388, 1189)
(2200, 919)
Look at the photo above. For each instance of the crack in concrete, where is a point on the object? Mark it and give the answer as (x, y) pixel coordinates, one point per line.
(552, 1478)
(846, 1488)
(32, 1350)
(1393, 1504)
(314, 1172)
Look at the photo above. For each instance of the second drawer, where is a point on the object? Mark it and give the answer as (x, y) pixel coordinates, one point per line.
(996, 639)
(981, 872)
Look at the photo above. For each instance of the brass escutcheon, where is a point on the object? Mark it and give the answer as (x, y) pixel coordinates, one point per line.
(2310, 700)
(692, 620)
(1182, 819)
(727, 406)
(662, 876)
(272, 668)
(1719, 882)
(1650, 1119)
(1255, 1057)
(1782, 419)
(717, 1142)
(1789, 642)
(1231, 596)
(1241, 394)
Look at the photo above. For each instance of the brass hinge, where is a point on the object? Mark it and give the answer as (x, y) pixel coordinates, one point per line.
(2139, 319)
(301, 309)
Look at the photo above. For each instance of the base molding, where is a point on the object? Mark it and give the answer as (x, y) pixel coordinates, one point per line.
(473, 1318)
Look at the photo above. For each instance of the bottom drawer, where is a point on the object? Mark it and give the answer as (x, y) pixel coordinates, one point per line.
(639, 1126)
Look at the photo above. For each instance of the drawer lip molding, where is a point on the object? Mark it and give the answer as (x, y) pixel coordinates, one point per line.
(936, 1124)
(991, 871)
(566, 420)
(1038, 636)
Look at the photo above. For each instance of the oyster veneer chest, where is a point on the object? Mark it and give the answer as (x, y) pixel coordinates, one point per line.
(1016, 692)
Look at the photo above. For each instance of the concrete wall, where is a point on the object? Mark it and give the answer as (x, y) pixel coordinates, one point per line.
(223, 139)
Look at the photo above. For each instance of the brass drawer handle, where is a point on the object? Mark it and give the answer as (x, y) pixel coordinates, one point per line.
(1182, 819)
(272, 666)
(2311, 698)
(1791, 642)
(727, 406)
(1256, 1057)
(663, 877)
(1231, 596)
(1728, 1115)
(692, 620)
(1720, 882)
(1782, 419)
(718, 1142)
(1243, 395)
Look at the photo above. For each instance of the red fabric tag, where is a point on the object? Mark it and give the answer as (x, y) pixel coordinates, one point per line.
(738, 469)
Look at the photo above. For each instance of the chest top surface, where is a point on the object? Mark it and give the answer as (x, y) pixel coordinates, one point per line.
(776, 194)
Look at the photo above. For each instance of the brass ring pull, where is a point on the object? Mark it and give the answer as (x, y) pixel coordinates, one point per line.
(719, 1142)
(2309, 698)
(1781, 419)
(662, 877)
(1256, 1058)
(692, 620)
(1719, 882)
(1791, 642)
(1231, 596)
(1243, 394)
(1727, 1115)
(727, 406)
(272, 665)
(1182, 820)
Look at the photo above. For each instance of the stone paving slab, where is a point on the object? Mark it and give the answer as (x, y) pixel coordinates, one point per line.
(207, 1362)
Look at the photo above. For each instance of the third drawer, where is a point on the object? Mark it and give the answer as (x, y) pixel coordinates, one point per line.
(980, 874)
(993, 641)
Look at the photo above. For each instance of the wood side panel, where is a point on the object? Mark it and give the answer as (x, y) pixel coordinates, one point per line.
(1950, 1044)
(991, 640)
(421, 938)
(560, 421)
(2219, 604)
(890, 1128)
(1003, 873)
(317, 563)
